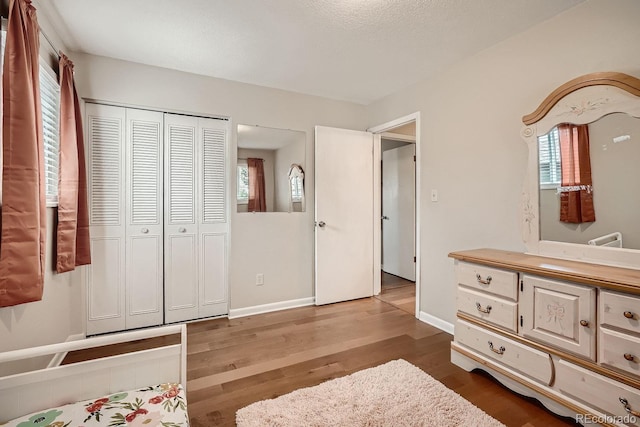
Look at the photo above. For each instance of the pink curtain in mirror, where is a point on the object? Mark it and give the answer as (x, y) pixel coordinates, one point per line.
(73, 246)
(22, 250)
(257, 197)
(576, 201)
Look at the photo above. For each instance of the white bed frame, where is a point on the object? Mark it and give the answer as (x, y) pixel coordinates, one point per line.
(28, 392)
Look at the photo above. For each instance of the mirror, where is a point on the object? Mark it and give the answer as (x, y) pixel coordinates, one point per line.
(606, 108)
(270, 170)
(614, 150)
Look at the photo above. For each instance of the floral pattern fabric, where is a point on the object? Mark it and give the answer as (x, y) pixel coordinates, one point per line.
(163, 405)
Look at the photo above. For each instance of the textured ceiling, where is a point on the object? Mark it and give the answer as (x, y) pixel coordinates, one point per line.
(355, 50)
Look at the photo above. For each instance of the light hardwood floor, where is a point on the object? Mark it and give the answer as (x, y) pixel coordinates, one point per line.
(232, 363)
(398, 292)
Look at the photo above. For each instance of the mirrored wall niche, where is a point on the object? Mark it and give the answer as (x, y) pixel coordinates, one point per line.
(270, 170)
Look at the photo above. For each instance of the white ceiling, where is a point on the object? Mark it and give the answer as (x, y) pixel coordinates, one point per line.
(354, 50)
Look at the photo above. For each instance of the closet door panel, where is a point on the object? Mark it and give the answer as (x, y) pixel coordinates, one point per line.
(105, 290)
(144, 218)
(213, 280)
(105, 127)
(181, 228)
(212, 215)
(181, 281)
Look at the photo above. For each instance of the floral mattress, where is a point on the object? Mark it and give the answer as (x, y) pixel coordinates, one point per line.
(163, 405)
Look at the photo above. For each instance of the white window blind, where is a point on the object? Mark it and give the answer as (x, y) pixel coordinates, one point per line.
(242, 193)
(549, 159)
(50, 100)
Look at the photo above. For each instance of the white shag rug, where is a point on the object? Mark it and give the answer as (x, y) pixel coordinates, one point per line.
(394, 394)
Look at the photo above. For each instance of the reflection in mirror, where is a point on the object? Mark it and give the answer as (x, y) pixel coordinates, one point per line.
(266, 157)
(603, 172)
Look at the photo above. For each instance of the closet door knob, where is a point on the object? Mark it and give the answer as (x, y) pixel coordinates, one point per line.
(182, 230)
(144, 230)
(628, 315)
(584, 323)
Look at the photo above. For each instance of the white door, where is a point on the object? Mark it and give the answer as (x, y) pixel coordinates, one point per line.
(106, 283)
(344, 214)
(196, 217)
(213, 226)
(398, 211)
(144, 249)
(181, 230)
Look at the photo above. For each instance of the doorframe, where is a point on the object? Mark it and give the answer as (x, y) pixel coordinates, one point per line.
(377, 200)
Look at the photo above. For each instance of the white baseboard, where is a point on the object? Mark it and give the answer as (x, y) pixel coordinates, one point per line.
(57, 358)
(437, 322)
(267, 308)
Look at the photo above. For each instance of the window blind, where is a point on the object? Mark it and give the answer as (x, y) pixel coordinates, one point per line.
(549, 158)
(50, 100)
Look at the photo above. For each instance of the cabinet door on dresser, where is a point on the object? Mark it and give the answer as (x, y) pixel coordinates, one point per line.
(560, 314)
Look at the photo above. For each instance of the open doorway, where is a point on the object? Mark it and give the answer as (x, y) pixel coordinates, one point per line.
(395, 149)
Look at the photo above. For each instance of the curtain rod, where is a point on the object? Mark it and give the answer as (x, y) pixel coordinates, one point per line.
(5, 21)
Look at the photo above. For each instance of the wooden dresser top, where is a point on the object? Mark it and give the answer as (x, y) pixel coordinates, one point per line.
(609, 277)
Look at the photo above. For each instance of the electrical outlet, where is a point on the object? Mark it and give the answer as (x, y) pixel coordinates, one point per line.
(259, 279)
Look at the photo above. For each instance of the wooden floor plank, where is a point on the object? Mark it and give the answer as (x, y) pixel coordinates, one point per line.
(233, 363)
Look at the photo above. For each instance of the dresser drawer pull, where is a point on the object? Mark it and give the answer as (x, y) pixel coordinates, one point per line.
(630, 357)
(584, 323)
(627, 407)
(483, 310)
(486, 281)
(501, 350)
(629, 315)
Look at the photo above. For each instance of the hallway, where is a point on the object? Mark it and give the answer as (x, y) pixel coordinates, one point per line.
(398, 292)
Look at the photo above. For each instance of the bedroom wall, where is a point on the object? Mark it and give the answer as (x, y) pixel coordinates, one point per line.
(276, 244)
(60, 313)
(472, 152)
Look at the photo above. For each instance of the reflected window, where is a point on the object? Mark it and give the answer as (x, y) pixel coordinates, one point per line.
(242, 194)
(549, 159)
(296, 189)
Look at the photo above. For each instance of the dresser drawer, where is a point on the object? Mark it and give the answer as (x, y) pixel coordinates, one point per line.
(621, 311)
(529, 361)
(619, 350)
(598, 391)
(489, 308)
(488, 279)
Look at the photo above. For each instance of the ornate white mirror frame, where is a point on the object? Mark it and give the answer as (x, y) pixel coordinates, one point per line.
(582, 100)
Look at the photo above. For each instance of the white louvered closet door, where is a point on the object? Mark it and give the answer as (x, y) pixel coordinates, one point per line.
(105, 128)
(196, 217)
(144, 232)
(181, 228)
(213, 224)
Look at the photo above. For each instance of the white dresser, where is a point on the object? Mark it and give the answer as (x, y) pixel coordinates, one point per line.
(564, 332)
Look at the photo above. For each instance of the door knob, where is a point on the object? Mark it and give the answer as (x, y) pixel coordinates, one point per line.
(385, 217)
(144, 230)
(321, 224)
(182, 230)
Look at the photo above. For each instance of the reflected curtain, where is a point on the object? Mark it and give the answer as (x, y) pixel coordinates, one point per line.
(22, 250)
(73, 247)
(257, 196)
(576, 193)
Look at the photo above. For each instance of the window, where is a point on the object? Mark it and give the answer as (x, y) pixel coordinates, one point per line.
(296, 188)
(242, 194)
(50, 100)
(549, 159)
